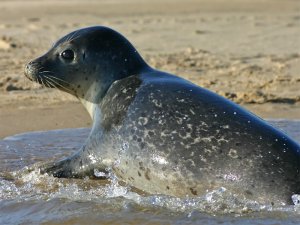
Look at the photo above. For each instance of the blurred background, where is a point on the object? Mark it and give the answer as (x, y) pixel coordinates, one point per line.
(245, 50)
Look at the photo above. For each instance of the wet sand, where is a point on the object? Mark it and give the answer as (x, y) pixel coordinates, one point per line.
(247, 51)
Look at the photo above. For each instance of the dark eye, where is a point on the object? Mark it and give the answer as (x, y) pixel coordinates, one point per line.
(68, 54)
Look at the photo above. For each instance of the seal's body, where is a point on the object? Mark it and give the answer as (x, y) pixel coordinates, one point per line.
(160, 133)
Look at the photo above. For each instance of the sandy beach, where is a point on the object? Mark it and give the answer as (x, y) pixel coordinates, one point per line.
(245, 50)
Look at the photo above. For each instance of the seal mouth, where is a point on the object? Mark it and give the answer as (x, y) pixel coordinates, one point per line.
(29, 77)
(33, 73)
(28, 71)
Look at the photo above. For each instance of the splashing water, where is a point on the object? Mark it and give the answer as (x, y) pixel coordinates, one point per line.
(29, 197)
(296, 199)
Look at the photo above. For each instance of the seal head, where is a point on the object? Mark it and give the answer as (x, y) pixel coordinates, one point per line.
(86, 62)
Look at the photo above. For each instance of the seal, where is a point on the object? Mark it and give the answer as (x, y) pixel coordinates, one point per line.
(160, 133)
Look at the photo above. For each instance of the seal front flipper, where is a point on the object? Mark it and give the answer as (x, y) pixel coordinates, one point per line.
(76, 166)
(60, 169)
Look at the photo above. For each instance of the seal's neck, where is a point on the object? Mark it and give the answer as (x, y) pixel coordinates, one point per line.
(90, 107)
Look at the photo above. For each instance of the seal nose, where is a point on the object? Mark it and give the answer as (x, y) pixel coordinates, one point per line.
(29, 70)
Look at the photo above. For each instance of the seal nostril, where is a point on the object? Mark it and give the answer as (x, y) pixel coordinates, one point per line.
(31, 63)
(30, 70)
(30, 66)
(27, 68)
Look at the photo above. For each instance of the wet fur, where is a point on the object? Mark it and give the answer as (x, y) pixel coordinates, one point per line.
(161, 133)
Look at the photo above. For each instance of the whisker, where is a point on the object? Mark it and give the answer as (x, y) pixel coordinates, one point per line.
(58, 84)
(26, 83)
(68, 38)
(72, 37)
(56, 94)
(49, 84)
(43, 85)
(44, 80)
(46, 71)
(58, 79)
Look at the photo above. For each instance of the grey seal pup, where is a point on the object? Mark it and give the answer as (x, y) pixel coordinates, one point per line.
(160, 133)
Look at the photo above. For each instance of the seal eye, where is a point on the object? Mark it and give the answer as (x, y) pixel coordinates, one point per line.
(68, 54)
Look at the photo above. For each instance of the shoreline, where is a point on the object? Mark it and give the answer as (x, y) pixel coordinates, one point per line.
(247, 51)
(72, 114)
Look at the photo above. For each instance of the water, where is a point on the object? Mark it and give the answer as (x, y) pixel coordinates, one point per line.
(30, 198)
